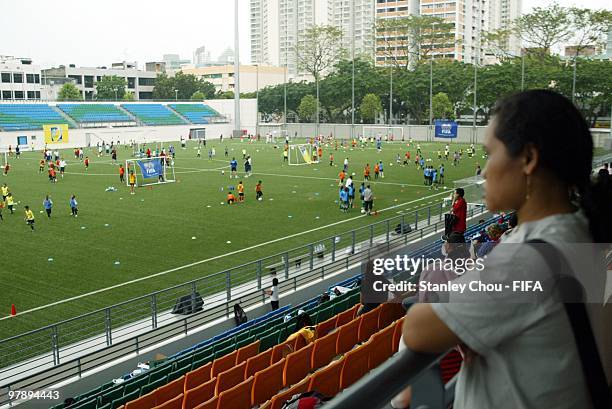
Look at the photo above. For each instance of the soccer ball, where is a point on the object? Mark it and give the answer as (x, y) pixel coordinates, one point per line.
(260, 199)
(362, 211)
(223, 172)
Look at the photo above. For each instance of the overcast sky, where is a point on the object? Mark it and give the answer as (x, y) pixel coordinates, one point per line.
(85, 33)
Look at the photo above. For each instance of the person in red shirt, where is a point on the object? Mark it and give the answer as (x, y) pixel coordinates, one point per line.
(148, 152)
(366, 172)
(121, 174)
(7, 167)
(331, 159)
(460, 211)
(342, 175)
(86, 163)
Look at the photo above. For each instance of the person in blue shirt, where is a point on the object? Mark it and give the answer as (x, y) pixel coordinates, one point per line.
(422, 163)
(73, 206)
(380, 169)
(344, 199)
(48, 205)
(233, 168)
(441, 178)
(351, 195)
(426, 176)
(434, 178)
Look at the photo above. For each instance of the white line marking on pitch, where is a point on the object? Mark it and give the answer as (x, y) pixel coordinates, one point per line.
(209, 259)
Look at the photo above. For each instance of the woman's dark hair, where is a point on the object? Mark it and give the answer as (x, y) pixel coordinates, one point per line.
(460, 191)
(303, 320)
(554, 126)
(275, 281)
(457, 248)
(513, 220)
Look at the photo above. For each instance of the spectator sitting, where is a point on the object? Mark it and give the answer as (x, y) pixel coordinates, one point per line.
(494, 233)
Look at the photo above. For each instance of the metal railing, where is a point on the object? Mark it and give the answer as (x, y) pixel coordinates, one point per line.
(81, 342)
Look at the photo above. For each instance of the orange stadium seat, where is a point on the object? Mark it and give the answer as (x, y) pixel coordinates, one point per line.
(197, 377)
(323, 328)
(326, 381)
(247, 351)
(382, 347)
(199, 394)
(210, 404)
(169, 391)
(223, 363)
(238, 397)
(230, 378)
(257, 363)
(348, 336)
(345, 317)
(267, 383)
(175, 403)
(397, 334)
(368, 324)
(144, 402)
(355, 365)
(324, 350)
(390, 312)
(280, 351)
(297, 365)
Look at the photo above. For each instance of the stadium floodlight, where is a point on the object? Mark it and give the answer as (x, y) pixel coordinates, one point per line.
(390, 132)
(300, 154)
(151, 171)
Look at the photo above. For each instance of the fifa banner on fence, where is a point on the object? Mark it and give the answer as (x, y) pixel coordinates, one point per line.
(56, 133)
(151, 169)
(446, 129)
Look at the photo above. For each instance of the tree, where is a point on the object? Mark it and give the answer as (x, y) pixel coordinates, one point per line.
(163, 88)
(225, 95)
(590, 28)
(129, 96)
(442, 106)
(543, 28)
(318, 52)
(370, 107)
(409, 40)
(307, 108)
(69, 92)
(185, 84)
(198, 96)
(110, 88)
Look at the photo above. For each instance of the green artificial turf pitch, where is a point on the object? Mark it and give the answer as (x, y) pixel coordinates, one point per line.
(119, 237)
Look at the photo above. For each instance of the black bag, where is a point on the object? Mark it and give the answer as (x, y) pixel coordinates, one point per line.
(403, 228)
(240, 316)
(449, 222)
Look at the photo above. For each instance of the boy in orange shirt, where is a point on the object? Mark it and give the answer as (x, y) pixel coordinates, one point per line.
(231, 199)
(366, 172)
(258, 191)
(341, 175)
(376, 171)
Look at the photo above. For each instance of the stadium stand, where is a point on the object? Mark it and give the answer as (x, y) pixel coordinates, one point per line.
(255, 357)
(153, 114)
(94, 113)
(195, 113)
(17, 117)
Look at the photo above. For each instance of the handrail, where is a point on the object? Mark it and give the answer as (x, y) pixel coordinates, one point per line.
(384, 382)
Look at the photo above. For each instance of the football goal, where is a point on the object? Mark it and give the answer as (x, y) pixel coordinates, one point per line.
(300, 154)
(140, 148)
(151, 171)
(386, 133)
(275, 133)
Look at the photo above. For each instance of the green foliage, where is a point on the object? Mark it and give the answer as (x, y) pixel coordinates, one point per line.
(442, 106)
(198, 96)
(225, 95)
(69, 92)
(370, 107)
(129, 96)
(186, 84)
(110, 88)
(319, 50)
(307, 108)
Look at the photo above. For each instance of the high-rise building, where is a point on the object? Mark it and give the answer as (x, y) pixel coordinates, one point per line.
(278, 27)
(470, 19)
(201, 57)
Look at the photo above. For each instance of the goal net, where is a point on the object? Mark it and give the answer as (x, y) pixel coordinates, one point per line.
(140, 148)
(300, 154)
(276, 134)
(151, 171)
(386, 133)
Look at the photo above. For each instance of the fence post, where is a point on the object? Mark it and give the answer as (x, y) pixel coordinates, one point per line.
(388, 232)
(428, 215)
(153, 311)
(286, 266)
(333, 253)
(107, 323)
(311, 255)
(259, 274)
(441, 210)
(55, 346)
(228, 283)
(402, 230)
(416, 219)
(371, 234)
(353, 242)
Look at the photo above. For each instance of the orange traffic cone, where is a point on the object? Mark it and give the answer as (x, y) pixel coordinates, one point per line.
(13, 310)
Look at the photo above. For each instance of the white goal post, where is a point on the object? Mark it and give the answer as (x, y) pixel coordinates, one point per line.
(140, 148)
(301, 154)
(275, 133)
(397, 132)
(160, 167)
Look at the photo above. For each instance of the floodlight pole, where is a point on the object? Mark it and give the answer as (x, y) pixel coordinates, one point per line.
(237, 128)
(353, 70)
(574, 79)
(522, 70)
(257, 100)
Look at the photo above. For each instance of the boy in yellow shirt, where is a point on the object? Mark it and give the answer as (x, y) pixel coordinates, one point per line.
(241, 191)
(10, 202)
(29, 217)
(132, 182)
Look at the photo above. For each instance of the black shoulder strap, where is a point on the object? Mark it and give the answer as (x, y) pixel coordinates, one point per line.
(594, 375)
